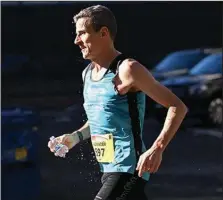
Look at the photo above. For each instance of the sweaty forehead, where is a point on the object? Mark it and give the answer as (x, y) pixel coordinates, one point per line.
(83, 24)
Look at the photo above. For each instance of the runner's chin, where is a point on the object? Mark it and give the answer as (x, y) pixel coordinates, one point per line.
(85, 53)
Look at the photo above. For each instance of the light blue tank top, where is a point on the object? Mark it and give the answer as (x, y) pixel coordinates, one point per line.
(108, 112)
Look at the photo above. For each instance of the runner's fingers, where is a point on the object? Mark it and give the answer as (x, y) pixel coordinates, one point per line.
(142, 168)
(56, 153)
(51, 146)
(52, 149)
(139, 163)
(59, 139)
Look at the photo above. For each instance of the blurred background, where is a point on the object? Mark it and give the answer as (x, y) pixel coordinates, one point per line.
(179, 42)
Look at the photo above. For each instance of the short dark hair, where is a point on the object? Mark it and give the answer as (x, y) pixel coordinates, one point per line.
(100, 16)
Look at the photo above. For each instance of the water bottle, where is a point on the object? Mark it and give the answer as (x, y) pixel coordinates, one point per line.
(60, 149)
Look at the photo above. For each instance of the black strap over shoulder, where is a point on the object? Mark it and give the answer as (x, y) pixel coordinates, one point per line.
(113, 66)
(117, 62)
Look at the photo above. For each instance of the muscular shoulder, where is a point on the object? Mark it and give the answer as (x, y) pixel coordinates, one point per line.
(133, 71)
(131, 67)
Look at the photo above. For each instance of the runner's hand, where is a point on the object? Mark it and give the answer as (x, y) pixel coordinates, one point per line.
(66, 139)
(149, 161)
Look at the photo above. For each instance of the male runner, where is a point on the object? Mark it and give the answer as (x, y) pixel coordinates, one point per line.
(114, 100)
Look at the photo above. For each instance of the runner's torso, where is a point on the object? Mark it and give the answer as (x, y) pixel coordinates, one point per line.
(112, 132)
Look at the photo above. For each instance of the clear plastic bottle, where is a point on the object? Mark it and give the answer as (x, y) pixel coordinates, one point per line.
(60, 149)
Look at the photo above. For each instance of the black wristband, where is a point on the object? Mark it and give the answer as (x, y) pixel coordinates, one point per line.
(80, 135)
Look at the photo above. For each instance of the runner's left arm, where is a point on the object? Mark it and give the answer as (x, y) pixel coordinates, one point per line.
(141, 79)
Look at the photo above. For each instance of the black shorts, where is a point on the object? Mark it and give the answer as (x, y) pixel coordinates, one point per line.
(122, 186)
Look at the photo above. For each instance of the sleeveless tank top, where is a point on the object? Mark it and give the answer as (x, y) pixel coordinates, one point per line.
(115, 121)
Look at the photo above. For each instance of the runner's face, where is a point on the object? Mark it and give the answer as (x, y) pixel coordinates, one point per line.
(89, 41)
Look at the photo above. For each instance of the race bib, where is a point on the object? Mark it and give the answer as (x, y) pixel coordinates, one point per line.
(103, 147)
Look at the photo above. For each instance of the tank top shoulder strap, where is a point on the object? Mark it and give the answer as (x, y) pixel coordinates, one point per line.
(86, 70)
(114, 66)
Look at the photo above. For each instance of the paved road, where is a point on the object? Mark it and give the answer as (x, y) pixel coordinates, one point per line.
(191, 167)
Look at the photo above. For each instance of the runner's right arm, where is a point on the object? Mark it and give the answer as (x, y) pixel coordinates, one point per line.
(82, 134)
(71, 139)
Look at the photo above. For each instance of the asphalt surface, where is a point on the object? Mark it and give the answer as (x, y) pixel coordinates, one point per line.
(191, 167)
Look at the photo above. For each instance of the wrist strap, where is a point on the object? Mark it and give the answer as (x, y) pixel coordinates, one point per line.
(80, 136)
